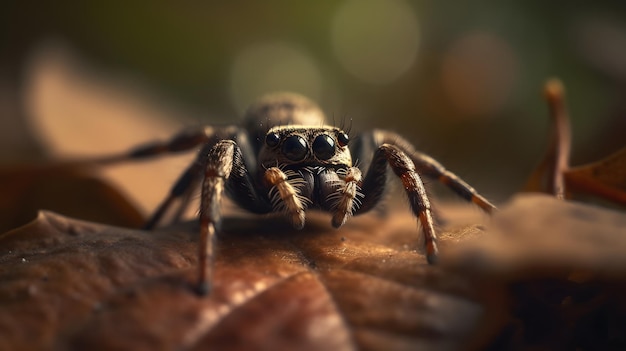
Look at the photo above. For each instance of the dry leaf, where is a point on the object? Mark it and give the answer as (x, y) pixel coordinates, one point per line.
(553, 271)
(69, 284)
(606, 178)
(74, 190)
(543, 231)
(564, 264)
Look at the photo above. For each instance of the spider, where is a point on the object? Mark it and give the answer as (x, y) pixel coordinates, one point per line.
(284, 158)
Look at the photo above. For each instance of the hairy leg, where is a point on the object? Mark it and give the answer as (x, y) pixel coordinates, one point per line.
(402, 165)
(429, 167)
(224, 170)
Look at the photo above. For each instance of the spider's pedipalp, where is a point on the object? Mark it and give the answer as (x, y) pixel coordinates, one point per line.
(345, 200)
(285, 196)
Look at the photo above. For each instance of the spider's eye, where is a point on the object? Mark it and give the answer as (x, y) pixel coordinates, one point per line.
(295, 148)
(272, 139)
(343, 139)
(324, 147)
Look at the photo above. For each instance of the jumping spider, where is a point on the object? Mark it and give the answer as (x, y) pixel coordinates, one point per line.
(283, 158)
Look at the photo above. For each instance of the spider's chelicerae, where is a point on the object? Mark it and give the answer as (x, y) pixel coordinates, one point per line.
(283, 158)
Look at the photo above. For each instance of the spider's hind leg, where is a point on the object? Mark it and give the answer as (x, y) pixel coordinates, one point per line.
(183, 187)
(431, 168)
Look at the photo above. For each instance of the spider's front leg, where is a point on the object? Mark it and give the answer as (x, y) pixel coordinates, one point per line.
(402, 165)
(218, 168)
(224, 169)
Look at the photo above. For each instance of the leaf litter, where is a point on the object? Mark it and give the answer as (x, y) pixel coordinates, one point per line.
(85, 285)
(544, 274)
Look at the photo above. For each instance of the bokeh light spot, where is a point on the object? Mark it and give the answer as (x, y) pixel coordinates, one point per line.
(271, 67)
(479, 72)
(375, 40)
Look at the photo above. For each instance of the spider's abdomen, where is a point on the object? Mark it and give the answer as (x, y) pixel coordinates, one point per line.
(280, 109)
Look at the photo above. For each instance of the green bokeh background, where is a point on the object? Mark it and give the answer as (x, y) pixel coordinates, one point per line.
(185, 50)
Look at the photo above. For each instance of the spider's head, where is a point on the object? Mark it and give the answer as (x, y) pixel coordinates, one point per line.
(306, 146)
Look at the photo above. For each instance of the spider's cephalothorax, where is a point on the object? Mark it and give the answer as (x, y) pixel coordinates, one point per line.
(310, 166)
(283, 158)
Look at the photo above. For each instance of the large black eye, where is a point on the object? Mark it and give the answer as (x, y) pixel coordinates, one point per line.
(324, 147)
(343, 139)
(295, 148)
(272, 139)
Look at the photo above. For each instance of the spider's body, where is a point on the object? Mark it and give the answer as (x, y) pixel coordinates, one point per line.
(285, 159)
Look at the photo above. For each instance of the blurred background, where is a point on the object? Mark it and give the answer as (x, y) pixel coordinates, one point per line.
(462, 80)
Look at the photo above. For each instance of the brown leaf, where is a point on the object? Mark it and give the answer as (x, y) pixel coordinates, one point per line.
(553, 175)
(71, 189)
(606, 178)
(68, 284)
(538, 230)
(565, 266)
